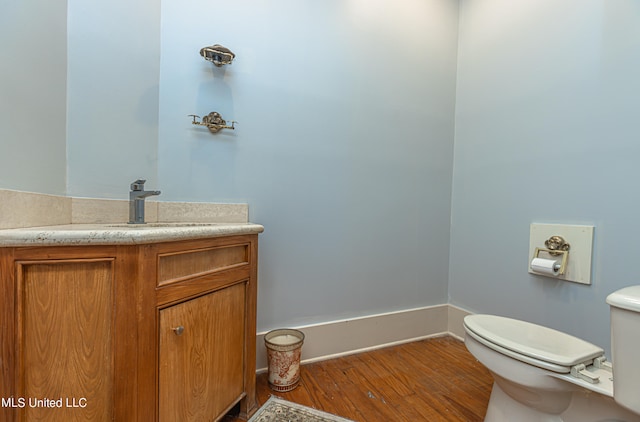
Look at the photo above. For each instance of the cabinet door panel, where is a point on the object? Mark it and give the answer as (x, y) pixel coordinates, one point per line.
(201, 367)
(65, 320)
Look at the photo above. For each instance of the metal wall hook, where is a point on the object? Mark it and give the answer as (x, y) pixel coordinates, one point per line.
(213, 121)
(556, 244)
(217, 54)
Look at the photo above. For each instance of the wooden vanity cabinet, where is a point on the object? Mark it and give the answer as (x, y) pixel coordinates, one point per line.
(162, 331)
(205, 307)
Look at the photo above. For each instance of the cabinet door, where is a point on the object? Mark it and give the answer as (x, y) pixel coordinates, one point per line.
(202, 356)
(65, 325)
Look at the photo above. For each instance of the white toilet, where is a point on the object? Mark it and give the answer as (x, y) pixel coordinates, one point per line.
(542, 374)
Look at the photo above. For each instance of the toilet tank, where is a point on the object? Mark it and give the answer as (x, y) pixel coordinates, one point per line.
(625, 346)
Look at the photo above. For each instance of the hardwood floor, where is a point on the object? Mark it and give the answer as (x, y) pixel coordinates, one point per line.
(430, 380)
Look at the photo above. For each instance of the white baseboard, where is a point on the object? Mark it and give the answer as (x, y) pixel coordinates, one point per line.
(344, 337)
(455, 321)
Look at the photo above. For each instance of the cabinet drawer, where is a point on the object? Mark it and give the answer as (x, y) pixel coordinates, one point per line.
(177, 266)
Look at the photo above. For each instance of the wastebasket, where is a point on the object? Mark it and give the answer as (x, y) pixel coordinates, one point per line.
(284, 347)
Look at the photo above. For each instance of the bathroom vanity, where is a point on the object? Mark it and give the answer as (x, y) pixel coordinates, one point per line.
(123, 323)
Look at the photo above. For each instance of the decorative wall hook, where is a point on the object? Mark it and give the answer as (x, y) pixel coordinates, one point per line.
(556, 245)
(217, 54)
(213, 121)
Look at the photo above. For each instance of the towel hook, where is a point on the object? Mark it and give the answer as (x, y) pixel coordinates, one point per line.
(217, 54)
(213, 121)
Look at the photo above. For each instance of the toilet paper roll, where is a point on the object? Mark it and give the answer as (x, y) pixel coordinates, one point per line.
(545, 266)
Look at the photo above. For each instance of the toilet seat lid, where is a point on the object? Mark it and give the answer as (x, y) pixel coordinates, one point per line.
(533, 341)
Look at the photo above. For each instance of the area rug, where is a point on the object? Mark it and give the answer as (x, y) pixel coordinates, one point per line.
(279, 410)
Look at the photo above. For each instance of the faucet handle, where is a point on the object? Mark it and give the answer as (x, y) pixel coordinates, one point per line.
(138, 185)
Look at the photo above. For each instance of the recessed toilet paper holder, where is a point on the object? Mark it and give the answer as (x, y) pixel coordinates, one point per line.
(555, 246)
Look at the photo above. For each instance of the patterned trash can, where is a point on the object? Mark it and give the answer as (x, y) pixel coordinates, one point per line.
(284, 347)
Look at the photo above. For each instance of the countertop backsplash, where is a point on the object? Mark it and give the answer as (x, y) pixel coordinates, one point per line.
(26, 209)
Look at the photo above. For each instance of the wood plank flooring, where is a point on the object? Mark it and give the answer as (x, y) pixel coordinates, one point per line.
(430, 380)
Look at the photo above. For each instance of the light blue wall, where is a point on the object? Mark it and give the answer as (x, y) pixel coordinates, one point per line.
(113, 72)
(343, 148)
(345, 141)
(33, 66)
(547, 130)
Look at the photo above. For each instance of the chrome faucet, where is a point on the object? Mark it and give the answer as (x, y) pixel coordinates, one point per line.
(136, 201)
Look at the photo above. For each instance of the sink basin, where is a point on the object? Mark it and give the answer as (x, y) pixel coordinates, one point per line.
(160, 225)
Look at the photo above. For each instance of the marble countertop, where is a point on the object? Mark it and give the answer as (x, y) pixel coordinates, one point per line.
(121, 234)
